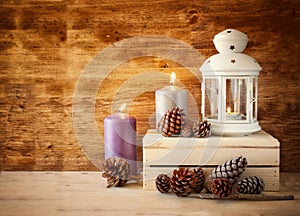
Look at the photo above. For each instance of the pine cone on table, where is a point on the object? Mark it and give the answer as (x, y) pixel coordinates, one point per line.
(251, 185)
(231, 169)
(116, 171)
(162, 183)
(201, 129)
(221, 187)
(183, 181)
(172, 122)
(199, 179)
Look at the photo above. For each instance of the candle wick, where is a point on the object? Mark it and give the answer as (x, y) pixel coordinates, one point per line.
(122, 108)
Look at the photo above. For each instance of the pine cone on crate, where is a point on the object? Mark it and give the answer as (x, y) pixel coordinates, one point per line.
(231, 169)
(221, 187)
(251, 185)
(162, 183)
(172, 122)
(199, 179)
(183, 181)
(116, 171)
(187, 130)
(201, 129)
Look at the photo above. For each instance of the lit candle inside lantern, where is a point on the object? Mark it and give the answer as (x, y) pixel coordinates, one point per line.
(228, 110)
(170, 96)
(232, 115)
(120, 137)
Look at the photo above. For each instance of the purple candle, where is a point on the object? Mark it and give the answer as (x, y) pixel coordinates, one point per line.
(120, 138)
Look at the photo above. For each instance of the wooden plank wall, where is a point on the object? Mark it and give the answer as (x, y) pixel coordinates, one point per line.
(46, 44)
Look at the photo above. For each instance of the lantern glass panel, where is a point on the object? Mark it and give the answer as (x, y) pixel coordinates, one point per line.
(211, 103)
(254, 99)
(236, 99)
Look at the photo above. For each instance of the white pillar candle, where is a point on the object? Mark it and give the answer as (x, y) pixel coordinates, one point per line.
(170, 96)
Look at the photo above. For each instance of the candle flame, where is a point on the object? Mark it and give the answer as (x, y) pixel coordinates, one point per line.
(173, 78)
(228, 110)
(122, 107)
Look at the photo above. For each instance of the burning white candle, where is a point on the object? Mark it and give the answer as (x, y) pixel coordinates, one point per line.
(170, 96)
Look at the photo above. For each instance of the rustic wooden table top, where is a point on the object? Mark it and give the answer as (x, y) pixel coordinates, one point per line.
(84, 193)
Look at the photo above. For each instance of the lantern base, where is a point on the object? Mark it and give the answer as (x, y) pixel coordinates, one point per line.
(234, 129)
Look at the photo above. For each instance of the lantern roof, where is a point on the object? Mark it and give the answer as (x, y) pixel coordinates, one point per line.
(230, 60)
(230, 40)
(230, 64)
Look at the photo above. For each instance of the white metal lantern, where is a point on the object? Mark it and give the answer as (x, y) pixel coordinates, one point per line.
(229, 87)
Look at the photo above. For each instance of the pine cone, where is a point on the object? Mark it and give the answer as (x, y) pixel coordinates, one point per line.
(116, 171)
(221, 187)
(231, 169)
(186, 130)
(199, 179)
(251, 185)
(201, 129)
(172, 122)
(183, 181)
(162, 183)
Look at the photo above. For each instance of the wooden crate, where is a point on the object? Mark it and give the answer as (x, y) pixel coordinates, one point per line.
(163, 154)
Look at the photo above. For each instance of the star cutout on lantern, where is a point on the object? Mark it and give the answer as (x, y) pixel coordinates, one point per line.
(232, 47)
(233, 61)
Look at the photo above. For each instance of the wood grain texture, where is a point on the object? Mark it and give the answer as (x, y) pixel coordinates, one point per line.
(85, 193)
(259, 150)
(45, 45)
